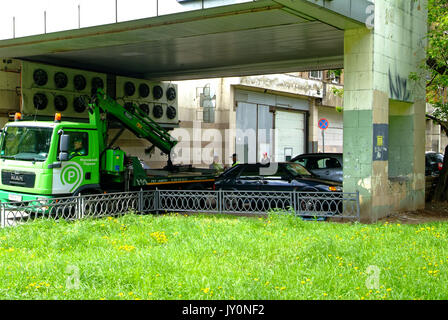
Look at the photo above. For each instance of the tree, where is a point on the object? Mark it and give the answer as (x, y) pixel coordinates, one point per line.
(436, 71)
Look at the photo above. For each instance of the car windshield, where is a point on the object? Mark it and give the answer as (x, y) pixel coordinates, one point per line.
(298, 170)
(26, 143)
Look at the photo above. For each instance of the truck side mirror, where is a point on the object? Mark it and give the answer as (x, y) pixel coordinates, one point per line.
(63, 147)
(65, 142)
(63, 156)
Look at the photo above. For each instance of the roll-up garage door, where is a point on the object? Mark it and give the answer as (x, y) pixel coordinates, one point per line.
(289, 134)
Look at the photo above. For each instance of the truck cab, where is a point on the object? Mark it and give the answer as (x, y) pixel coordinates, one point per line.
(33, 166)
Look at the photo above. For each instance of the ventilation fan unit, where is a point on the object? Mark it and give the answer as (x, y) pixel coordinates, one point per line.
(48, 89)
(157, 99)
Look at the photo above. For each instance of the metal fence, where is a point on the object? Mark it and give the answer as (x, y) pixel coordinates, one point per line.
(304, 204)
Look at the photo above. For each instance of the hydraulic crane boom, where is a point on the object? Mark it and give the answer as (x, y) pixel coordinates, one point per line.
(137, 121)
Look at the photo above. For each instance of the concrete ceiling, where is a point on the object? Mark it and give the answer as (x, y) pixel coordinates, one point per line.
(251, 38)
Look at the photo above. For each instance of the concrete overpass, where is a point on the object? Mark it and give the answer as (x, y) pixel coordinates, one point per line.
(383, 111)
(249, 38)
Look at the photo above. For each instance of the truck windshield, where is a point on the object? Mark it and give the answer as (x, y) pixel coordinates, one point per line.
(26, 143)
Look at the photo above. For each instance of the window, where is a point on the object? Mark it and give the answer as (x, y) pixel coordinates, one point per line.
(297, 170)
(250, 172)
(207, 101)
(282, 172)
(335, 79)
(315, 75)
(319, 163)
(26, 143)
(302, 162)
(334, 75)
(330, 163)
(79, 144)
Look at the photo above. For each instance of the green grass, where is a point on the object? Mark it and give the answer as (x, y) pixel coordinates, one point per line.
(221, 257)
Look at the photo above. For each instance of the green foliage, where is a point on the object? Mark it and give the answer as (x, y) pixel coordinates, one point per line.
(335, 72)
(436, 65)
(222, 257)
(339, 93)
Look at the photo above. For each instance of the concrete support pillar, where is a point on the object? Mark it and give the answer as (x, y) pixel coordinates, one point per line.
(384, 123)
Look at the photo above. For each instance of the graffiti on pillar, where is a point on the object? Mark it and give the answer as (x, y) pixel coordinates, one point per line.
(398, 87)
(413, 3)
(370, 10)
(380, 142)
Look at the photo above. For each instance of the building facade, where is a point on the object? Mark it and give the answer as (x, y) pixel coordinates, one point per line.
(273, 114)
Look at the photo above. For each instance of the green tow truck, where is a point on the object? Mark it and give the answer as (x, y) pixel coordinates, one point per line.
(47, 159)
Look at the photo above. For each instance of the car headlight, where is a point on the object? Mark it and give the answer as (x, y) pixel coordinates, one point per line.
(335, 189)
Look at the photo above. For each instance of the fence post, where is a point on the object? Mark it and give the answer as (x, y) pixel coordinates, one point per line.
(357, 205)
(140, 201)
(81, 206)
(293, 202)
(297, 208)
(220, 200)
(2, 216)
(156, 200)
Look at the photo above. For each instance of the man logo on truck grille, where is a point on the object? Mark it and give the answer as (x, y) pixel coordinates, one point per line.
(71, 175)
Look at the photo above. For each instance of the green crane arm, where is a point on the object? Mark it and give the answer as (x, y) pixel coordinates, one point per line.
(138, 122)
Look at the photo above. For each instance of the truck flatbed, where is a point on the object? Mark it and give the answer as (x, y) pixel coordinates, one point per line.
(179, 177)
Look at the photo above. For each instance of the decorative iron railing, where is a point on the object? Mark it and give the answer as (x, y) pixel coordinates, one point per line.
(304, 204)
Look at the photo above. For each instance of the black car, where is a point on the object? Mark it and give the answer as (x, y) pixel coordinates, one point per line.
(433, 163)
(288, 176)
(322, 198)
(326, 166)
